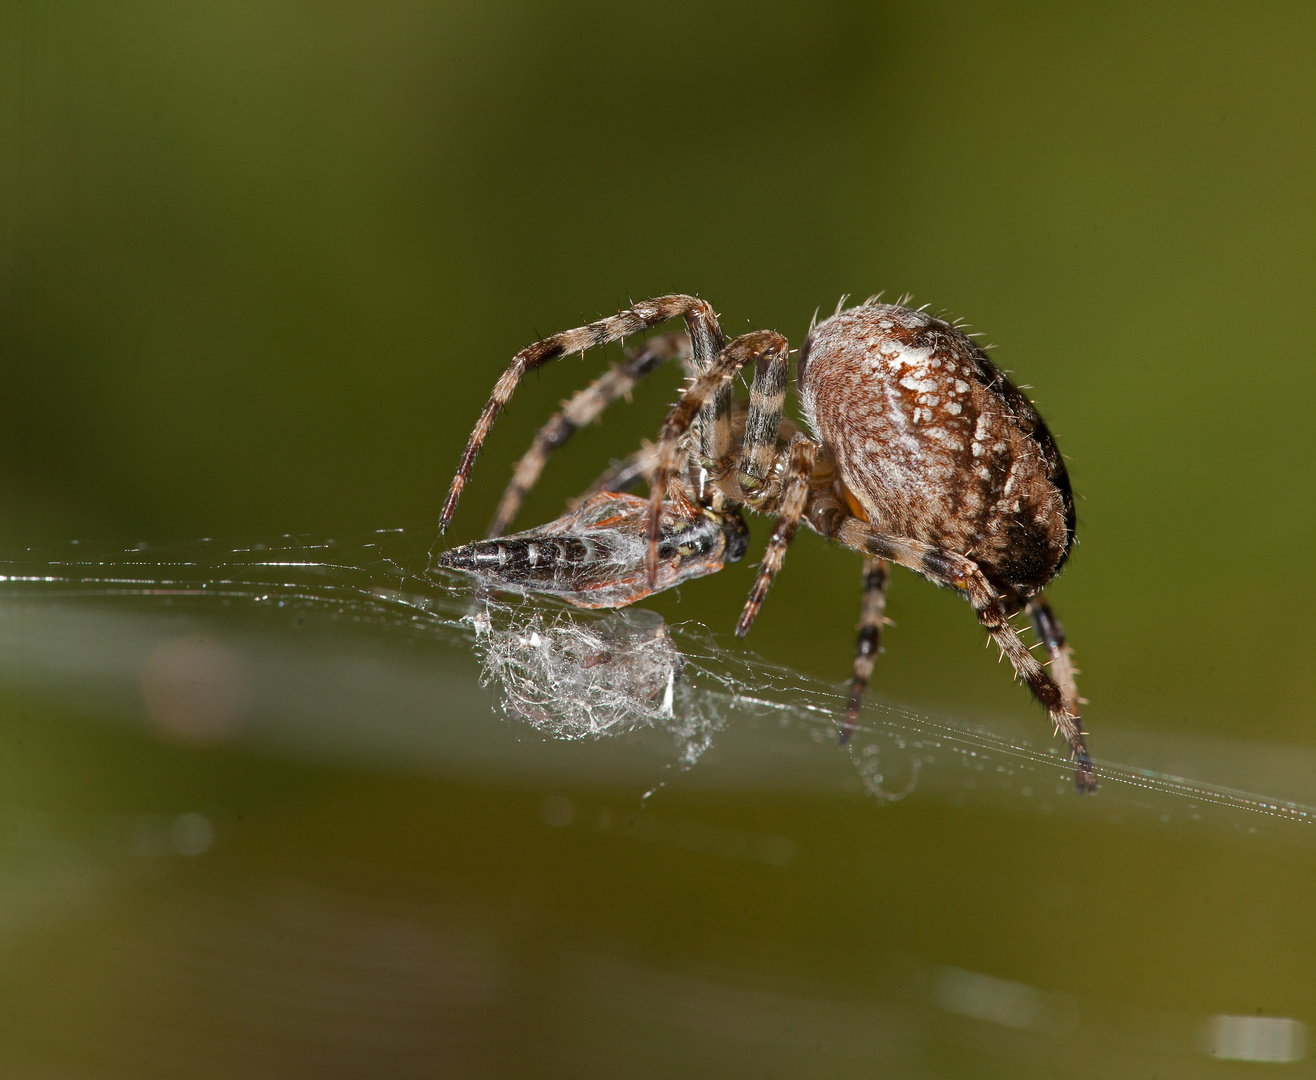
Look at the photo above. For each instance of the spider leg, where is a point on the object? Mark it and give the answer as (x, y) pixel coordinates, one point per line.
(583, 408)
(1052, 635)
(706, 343)
(987, 606)
(794, 496)
(704, 392)
(963, 575)
(767, 396)
(872, 616)
(635, 468)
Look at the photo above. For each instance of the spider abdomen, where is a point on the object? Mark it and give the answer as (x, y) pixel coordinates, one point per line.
(935, 444)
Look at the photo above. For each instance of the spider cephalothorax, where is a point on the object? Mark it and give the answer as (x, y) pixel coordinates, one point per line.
(923, 454)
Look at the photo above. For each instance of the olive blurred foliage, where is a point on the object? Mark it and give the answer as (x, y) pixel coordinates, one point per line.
(260, 264)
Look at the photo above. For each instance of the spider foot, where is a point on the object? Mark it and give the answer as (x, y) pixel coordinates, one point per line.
(1085, 773)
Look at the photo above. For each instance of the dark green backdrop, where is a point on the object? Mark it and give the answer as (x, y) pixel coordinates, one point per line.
(261, 262)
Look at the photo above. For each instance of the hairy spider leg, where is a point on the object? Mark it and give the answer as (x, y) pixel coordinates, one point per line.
(706, 344)
(708, 387)
(1052, 636)
(963, 575)
(987, 605)
(584, 407)
(790, 508)
(635, 468)
(872, 617)
(767, 398)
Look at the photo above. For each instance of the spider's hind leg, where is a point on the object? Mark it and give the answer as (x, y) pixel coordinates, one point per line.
(966, 577)
(1060, 707)
(1060, 659)
(871, 619)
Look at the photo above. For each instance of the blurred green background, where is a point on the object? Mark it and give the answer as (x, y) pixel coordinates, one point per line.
(260, 264)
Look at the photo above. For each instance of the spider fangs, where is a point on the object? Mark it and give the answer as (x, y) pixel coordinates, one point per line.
(923, 454)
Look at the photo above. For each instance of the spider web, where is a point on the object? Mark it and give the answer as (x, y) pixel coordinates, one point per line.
(575, 675)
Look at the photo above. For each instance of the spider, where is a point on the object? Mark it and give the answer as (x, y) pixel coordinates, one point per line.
(923, 453)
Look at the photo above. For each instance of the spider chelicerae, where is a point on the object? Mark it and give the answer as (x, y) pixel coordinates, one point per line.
(923, 454)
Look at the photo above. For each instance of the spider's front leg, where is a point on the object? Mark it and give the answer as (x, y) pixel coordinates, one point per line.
(767, 398)
(634, 469)
(706, 344)
(790, 508)
(759, 456)
(712, 388)
(584, 407)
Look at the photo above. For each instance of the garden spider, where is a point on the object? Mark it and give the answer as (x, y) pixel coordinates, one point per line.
(924, 454)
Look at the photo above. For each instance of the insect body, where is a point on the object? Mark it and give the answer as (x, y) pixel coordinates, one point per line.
(594, 556)
(923, 454)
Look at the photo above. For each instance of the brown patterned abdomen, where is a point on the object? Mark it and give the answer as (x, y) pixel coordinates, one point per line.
(936, 444)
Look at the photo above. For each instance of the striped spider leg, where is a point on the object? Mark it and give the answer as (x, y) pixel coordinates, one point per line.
(1051, 634)
(760, 453)
(962, 574)
(872, 617)
(634, 469)
(790, 506)
(584, 407)
(770, 352)
(769, 478)
(706, 343)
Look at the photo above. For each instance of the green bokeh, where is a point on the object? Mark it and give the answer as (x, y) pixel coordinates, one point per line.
(260, 264)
